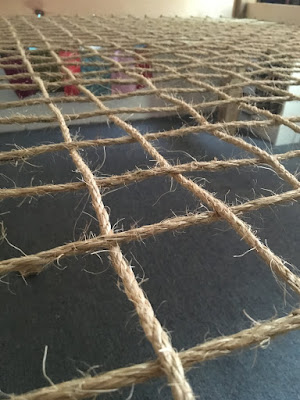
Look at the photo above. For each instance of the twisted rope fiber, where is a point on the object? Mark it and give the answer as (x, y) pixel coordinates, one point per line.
(218, 206)
(167, 77)
(169, 359)
(28, 119)
(269, 159)
(139, 175)
(159, 339)
(36, 262)
(195, 62)
(210, 64)
(14, 155)
(244, 105)
(139, 373)
(202, 67)
(23, 154)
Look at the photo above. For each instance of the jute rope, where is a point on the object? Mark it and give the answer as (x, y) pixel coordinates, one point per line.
(82, 388)
(218, 206)
(35, 262)
(184, 59)
(170, 361)
(23, 154)
(28, 119)
(136, 175)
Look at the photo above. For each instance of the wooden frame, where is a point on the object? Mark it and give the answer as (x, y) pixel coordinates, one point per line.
(239, 8)
(287, 14)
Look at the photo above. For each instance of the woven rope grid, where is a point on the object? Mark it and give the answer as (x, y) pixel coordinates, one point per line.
(211, 58)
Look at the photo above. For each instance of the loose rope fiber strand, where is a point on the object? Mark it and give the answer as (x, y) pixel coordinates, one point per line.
(36, 262)
(86, 387)
(244, 230)
(170, 361)
(220, 74)
(139, 175)
(23, 154)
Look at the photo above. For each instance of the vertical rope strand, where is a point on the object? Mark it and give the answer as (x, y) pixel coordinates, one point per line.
(170, 361)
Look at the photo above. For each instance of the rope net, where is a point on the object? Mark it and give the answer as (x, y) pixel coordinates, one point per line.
(192, 67)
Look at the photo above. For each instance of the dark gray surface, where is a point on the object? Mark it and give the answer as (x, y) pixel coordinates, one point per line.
(197, 287)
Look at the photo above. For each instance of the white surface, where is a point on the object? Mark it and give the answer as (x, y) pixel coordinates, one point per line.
(76, 107)
(290, 109)
(278, 136)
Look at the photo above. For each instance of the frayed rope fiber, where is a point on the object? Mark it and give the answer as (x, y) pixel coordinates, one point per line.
(171, 59)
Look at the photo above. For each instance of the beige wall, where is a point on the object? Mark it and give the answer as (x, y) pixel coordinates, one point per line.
(212, 8)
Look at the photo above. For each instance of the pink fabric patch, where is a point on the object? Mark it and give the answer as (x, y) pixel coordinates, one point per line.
(118, 87)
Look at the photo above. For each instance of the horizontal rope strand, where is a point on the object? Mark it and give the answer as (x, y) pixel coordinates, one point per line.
(86, 387)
